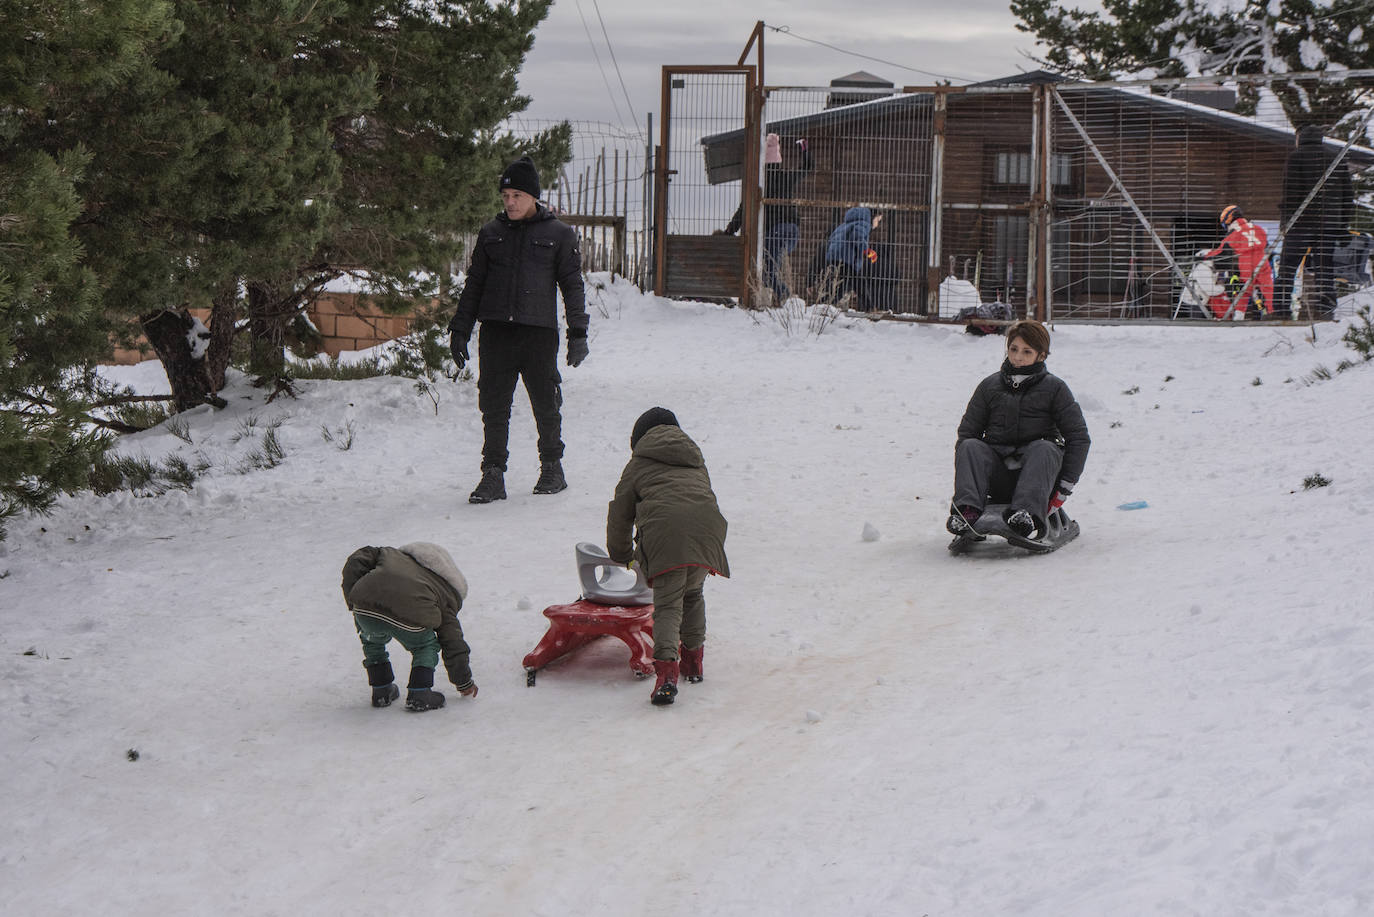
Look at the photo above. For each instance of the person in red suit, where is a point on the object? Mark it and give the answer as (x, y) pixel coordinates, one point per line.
(1248, 241)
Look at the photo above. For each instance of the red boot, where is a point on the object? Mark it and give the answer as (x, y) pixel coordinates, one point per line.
(665, 689)
(691, 663)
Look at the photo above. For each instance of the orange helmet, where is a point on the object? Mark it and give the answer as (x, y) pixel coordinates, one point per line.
(1230, 213)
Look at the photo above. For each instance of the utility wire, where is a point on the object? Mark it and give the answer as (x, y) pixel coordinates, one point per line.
(628, 104)
(786, 30)
(596, 54)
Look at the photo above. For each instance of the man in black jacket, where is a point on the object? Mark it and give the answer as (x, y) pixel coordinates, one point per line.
(1313, 234)
(520, 261)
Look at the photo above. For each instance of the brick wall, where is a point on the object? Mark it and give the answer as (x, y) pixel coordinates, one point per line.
(349, 322)
(345, 320)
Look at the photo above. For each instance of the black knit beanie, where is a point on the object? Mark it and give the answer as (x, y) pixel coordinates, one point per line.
(648, 420)
(522, 176)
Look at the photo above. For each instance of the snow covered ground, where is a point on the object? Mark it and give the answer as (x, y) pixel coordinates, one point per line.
(1169, 716)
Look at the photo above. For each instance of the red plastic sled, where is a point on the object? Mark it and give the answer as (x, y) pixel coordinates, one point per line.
(615, 602)
(578, 623)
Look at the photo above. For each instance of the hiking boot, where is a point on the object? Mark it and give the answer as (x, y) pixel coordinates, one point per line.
(492, 486)
(383, 695)
(1021, 523)
(423, 699)
(665, 689)
(960, 522)
(689, 666)
(551, 479)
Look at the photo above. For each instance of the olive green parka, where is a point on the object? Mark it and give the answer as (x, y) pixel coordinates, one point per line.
(415, 587)
(664, 499)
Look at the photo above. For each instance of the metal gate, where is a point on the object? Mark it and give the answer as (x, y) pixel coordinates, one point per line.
(695, 257)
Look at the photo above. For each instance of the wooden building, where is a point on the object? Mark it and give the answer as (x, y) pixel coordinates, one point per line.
(1063, 200)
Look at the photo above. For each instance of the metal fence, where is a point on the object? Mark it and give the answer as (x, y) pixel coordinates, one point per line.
(1062, 200)
(604, 192)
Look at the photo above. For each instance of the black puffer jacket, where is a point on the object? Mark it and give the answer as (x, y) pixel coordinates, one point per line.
(1330, 209)
(1016, 406)
(516, 271)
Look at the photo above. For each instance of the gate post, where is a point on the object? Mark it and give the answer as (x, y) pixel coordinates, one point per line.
(937, 183)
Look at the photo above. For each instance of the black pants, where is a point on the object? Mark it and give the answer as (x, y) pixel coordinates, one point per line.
(1318, 287)
(506, 352)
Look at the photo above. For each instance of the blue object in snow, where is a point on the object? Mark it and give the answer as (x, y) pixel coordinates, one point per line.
(1134, 504)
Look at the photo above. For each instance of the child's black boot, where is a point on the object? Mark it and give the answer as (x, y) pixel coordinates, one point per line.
(383, 682)
(420, 693)
(1021, 522)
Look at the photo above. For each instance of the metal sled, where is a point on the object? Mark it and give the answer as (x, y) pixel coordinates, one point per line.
(1059, 530)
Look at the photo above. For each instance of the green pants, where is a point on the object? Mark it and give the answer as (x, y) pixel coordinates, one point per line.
(679, 611)
(423, 644)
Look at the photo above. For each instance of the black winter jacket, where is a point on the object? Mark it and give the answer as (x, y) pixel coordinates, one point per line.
(1330, 209)
(516, 271)
(1008, 414)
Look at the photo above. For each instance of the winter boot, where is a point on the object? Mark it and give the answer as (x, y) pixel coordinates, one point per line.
(492, 486)
(690, 663)
(383, 682)
(960, 522)
(1021, 522)
(665, 689)
(551, 479)
(420, 693)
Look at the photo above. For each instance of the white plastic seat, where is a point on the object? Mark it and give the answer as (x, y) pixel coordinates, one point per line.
(606, 582)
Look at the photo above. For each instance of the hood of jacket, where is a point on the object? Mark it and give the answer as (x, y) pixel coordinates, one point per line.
(858, 215)
(669, 445)
(439, 562)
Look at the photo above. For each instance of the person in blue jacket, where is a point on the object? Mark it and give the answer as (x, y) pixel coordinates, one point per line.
(849, 253)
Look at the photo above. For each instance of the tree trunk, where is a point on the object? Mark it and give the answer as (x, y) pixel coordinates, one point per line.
(190, 381)
(223, 315)
(267, 322)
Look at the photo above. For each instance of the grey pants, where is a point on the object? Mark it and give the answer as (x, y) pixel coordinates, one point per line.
(679, 610)
(980, 473)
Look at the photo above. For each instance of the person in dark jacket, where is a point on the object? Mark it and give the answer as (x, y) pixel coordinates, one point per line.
(1311, 236)
(664, 499)
(411, 594)
(520, 261)
(1022, 434)
(781, 222)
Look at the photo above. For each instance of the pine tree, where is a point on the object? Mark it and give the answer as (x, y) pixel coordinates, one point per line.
(54, 57)
(1178, 38)
(420, 166)
(219, 168)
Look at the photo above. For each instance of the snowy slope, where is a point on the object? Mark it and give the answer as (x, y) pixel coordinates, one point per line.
(1169, 716)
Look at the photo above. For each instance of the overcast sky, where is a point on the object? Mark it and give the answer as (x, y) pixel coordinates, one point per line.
(915, 43)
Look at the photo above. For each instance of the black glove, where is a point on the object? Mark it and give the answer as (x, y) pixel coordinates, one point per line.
(459, 348)
(577, 351)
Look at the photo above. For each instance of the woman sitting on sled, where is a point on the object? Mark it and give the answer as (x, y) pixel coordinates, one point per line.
(1022, 441)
